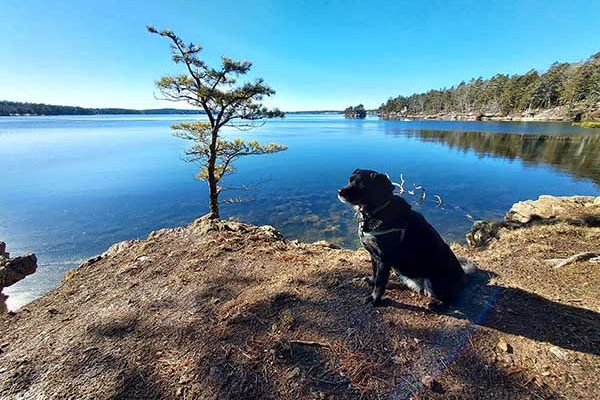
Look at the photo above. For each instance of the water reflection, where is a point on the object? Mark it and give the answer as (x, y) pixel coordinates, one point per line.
(578, 155)
(318, 215)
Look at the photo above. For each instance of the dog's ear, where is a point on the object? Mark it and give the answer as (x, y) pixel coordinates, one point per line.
(356, 171)
(383, 180)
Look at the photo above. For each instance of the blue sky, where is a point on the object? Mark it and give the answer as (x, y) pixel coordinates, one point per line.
(316, 54)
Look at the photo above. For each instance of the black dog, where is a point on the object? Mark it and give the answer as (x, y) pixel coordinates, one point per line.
(398, 237)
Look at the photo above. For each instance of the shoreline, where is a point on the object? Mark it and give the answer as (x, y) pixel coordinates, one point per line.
(556, 114)
(471, 118)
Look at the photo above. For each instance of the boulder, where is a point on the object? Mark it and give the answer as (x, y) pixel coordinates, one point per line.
(326, 244)
(3, 308)
(552, 207)
(483, 232)
(576, 210)
(12, 270)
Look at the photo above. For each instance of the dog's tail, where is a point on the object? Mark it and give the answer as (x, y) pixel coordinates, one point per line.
(468, 266)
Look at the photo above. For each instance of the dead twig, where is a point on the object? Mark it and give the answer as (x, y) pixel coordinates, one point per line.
(560, 262)
(310, 343)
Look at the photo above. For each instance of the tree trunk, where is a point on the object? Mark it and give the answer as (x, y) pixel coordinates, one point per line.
(213, 194)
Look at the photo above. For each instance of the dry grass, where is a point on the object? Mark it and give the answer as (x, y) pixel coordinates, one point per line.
(230, 311)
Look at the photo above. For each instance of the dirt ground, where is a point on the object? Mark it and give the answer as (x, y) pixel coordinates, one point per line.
(230, 311)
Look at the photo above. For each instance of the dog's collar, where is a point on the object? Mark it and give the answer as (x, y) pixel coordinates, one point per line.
(385, 232)
(379, 209)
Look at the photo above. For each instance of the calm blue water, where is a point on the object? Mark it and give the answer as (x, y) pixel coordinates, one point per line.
(72, 186)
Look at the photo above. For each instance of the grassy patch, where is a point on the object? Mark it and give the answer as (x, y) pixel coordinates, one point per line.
(589, 124)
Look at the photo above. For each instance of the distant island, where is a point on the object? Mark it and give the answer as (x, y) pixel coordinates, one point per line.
(357, 112)
(564, 92)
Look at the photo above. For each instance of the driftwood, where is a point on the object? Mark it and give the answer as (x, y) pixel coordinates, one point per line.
(562, 262)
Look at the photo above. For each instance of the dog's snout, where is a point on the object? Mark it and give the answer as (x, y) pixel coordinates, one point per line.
(343, 191)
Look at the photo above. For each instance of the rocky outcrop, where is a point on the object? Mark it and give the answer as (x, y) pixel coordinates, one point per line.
(227, 310)
(568, 209)
(555, 114)
(12, 270)
(574, 210)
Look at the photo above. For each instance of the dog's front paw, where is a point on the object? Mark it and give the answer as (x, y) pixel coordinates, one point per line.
(437, 306)
(370, 299)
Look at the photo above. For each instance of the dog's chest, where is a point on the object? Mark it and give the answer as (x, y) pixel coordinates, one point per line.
(370, 242)
(379, 236)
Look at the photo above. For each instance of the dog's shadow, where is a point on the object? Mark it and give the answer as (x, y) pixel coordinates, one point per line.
(518, 312)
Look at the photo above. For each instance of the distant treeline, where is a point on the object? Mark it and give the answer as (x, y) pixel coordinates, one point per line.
(575, 85)
(15, 108)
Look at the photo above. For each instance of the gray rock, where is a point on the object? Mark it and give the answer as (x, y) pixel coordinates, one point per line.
(578, 210)
(17, 268)
(483, 232)
(12, 270)
(3, 308)
(550, 207)
(90, 261)
(325, 243)
(269, 232)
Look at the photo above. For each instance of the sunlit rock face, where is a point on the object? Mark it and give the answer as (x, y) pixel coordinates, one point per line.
(552, 207)
(575, 210)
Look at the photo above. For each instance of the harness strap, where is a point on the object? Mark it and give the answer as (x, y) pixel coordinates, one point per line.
(381, 233)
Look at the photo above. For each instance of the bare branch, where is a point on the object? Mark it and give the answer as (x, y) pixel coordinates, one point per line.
(588, 255)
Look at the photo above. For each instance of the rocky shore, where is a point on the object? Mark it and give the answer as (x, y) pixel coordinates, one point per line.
(13, 270)
(226, 310)
(556, 114)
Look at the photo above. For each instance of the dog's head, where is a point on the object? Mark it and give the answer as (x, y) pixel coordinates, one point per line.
(366, 187)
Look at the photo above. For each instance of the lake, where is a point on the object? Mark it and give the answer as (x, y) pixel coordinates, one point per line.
(72, 186)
